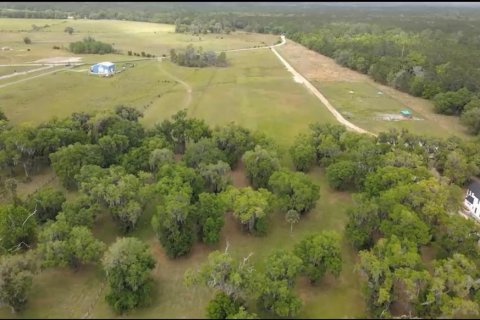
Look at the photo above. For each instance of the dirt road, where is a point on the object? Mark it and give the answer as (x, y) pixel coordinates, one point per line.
(299, 78)
(187, 87)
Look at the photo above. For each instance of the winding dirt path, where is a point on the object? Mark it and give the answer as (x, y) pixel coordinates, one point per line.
(187, 87)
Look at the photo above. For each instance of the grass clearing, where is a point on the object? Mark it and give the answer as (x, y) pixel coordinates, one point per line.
(361, 103)
(336, 82)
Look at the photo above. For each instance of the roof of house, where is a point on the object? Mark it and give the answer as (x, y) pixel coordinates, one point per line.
(106, 64)
(405, 111)
(475, 188)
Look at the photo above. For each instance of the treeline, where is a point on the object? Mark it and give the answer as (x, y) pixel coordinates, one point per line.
(407, 199)
(191, 57)
(90, 45)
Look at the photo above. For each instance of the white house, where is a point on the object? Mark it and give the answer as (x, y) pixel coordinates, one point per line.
(472, 199)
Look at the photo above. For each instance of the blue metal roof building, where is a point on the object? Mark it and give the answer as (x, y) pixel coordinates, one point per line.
(103, 68)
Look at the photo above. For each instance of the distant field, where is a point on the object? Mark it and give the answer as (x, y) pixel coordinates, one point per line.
(255, 91)
(364, 107)
(152, 38)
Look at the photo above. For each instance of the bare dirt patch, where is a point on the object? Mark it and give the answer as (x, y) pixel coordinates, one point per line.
(315, 66)
(60, 60)
(239, 179)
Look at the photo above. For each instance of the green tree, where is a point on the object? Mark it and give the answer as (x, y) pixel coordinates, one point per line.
(458, 235)
(62, 245)
(243, 314)
(451, 291)
(181, 130)
(205, 152)
(113, 147)
(210, 211)
(260, 165)
(46, 203)
(69, 30)
(363, 222)
(16, 277)
(224, 273)
(215, 175)
(159, 157)
(405, 224)
(17, 228)
(80, 211)
(234, 141)
(68, 161)
(320, 253)
(382, 265)
(125, 195)
(138, 158)
(250, 207)
(458, 169)
(341, 175)
(471, 119)
(222, 306)
(127, 264)
(303, 153)
(295, 190)
(128, 113)
(173, 221)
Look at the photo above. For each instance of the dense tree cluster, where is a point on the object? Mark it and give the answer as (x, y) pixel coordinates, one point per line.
(197, 58)
(407, 197)
(90, 45)
(238, 281)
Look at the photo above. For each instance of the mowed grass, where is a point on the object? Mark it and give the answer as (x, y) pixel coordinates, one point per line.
(361, 103)
(151, 38)
(255, 91)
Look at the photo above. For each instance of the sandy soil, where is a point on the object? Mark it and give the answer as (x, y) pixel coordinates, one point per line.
(60, 60)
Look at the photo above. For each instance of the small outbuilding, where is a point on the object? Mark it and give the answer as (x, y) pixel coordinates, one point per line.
(103, 68)
(406, 113)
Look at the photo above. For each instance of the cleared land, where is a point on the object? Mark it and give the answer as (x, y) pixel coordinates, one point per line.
(356, 96)
(255, 91)
(151, 38)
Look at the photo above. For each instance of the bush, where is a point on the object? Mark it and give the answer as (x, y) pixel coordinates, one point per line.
(27, 40)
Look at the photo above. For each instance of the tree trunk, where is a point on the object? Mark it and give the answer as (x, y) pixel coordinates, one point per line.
(251, 224)
(291, 228)
(26, 171)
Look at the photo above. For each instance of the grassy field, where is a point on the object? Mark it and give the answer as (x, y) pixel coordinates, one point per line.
(365, 107)
(152, 38)
(254, 90)
(362, 104)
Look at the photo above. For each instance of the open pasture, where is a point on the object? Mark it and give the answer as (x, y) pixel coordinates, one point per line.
(153, 38)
